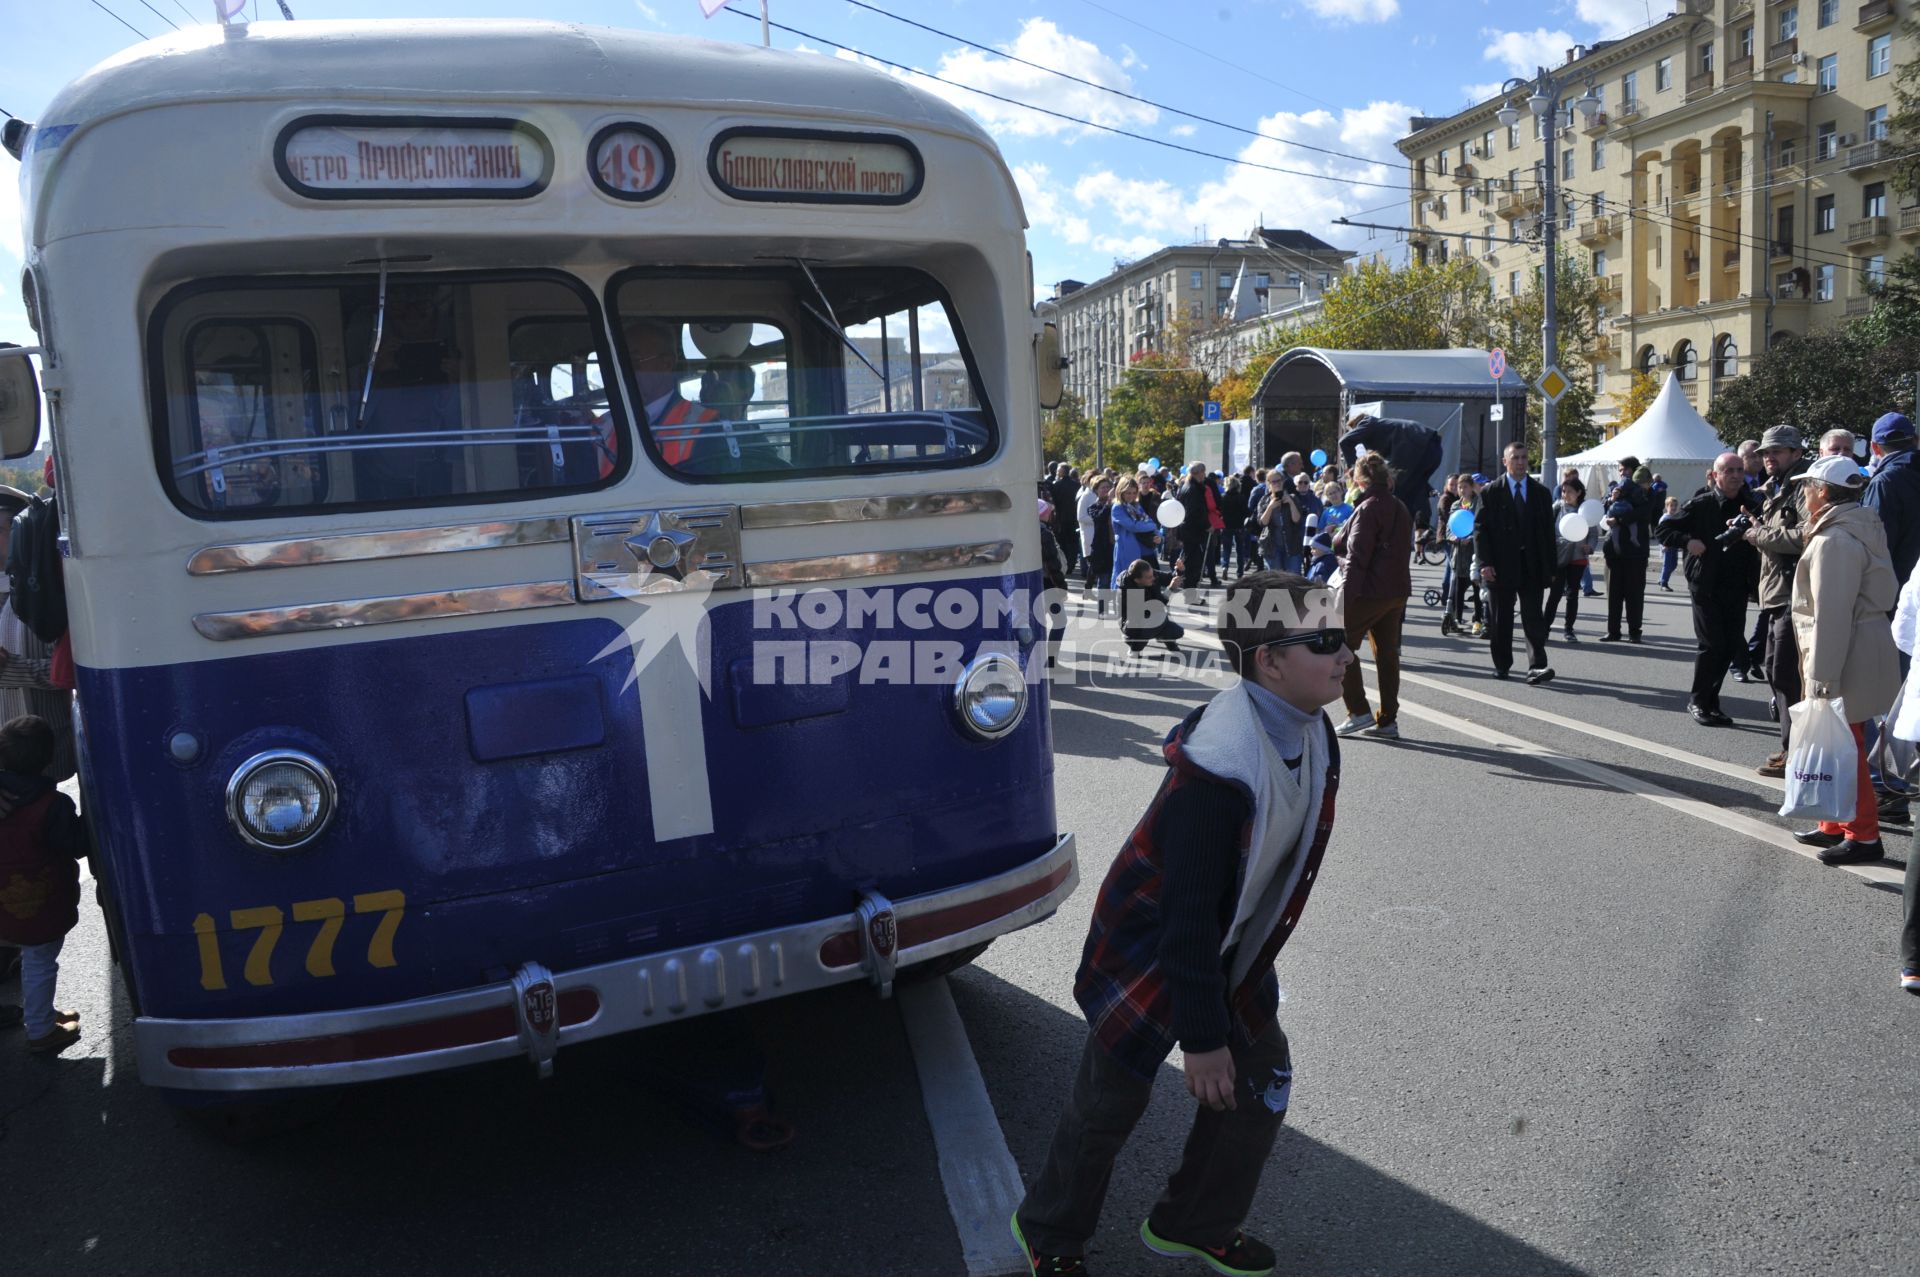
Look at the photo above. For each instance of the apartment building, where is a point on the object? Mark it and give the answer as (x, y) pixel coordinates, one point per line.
(1212, 289)
(1733, 189)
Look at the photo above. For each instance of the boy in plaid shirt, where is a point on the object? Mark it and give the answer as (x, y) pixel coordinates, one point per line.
(1185, 930)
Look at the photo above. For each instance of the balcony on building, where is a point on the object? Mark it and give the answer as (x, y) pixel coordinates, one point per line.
(1606, 287)
(1691, 262)
(1872, 154)
(1781, 50)
(1865, 230)
(1730, 260)
(1625, 115)
(1782, 250)
(1859, 307)
(1875, 15)
(1597, 125)
(1463, 175)
(1740, 70)
(1600, 230)
(1512, 204)
(1910, 221)
(1699, 85)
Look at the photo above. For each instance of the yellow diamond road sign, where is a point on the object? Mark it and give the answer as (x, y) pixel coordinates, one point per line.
(1553, 383)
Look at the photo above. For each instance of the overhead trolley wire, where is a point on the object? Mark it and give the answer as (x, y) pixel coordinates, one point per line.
(1122, 93)
(122, 21)
(1258, 75)
(1062, 115)
(156, 13)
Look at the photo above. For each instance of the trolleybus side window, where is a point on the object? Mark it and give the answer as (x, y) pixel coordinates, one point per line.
(772, 373)
(457, 388)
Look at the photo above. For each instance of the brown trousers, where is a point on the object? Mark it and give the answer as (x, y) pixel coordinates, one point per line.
(1378, 620)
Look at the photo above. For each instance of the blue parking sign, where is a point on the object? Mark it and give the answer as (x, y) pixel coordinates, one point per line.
(1212, 412)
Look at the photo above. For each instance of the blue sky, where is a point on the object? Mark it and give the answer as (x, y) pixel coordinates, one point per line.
(1344, 75)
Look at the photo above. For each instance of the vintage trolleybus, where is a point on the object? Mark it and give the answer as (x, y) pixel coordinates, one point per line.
(490, 456)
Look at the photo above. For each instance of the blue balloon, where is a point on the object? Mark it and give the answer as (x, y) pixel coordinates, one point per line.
(1153, 463)
(1460, 523)
(1318, 456)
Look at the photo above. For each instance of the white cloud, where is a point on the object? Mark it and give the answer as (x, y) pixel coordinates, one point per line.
(1355, 10)
(1045, 210)
(1150, 205)
(1524, 52)
(1481, 92)
(647, 11)
(1183, 130)
(1129, 247)
(1617, 17)
(1044, 44)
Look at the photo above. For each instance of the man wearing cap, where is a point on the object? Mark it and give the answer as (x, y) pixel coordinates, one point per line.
(1780, 539)
(1895, 490)
(1718, 567)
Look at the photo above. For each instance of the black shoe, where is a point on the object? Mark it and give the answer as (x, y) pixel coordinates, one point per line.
(1708, 717)
(1666, 587)
(1242, 1255)
(1850, 852)
(1609, 638)
(1818, 838)
(1572, 637)
(1738, 674)
(1542, 675)
(1633, 638)
(1501, 674)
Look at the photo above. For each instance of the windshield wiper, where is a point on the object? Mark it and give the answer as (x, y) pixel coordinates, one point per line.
(825, 316)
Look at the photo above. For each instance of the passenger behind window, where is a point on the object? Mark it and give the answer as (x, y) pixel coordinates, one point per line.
(412, 392)
(677, 425)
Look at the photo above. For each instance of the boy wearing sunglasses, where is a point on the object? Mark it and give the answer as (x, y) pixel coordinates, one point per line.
(1185, 931)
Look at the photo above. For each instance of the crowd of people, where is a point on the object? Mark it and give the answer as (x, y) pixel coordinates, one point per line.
(1820, 546)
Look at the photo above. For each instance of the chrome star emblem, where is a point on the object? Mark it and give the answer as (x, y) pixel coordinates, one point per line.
(658, 549)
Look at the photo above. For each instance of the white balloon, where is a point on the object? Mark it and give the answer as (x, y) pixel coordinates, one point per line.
(1172, 513)
(1592, 511)
(721, 341)
(1573, 526)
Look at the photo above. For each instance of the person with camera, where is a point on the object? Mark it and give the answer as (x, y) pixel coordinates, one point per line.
(1779, 538)
(1720, 567)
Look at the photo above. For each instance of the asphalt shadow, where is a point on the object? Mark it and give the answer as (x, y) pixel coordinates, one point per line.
(1321, 1210)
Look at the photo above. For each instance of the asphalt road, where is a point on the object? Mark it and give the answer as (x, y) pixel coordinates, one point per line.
(1545, 1019)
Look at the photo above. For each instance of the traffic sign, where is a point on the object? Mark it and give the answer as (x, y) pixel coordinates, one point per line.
(1497, 363)
(1497, 413)
(1212, 412)
(1553, 383)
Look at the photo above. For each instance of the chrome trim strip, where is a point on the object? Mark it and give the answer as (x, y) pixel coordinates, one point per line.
(634, 993)
(834, 567)
(797, 514)
(401, 543)
(348, 613)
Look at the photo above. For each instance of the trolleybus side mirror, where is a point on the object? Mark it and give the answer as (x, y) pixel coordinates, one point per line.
(19, 400)
(1049, 367)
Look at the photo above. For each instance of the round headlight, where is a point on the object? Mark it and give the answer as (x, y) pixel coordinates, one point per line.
(281, 800)
(991, 696)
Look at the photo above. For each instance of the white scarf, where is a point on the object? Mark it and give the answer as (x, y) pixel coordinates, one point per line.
(1229, 742)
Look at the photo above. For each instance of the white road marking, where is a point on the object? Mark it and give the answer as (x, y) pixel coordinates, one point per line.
(982, 1182)
(1667, 752)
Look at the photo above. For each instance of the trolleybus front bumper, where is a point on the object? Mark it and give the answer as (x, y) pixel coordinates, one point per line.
(538, 1011)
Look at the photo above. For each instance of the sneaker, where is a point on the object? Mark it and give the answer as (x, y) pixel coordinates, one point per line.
(56, 1040)
(1359, 722)
(1043, 1264)
(1910, 980)
(1241, 1257)
(1542, 675)
(1775, 766)
(1383, 731)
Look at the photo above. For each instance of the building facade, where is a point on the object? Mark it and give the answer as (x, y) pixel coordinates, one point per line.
(1212, 291)
(1732, 191)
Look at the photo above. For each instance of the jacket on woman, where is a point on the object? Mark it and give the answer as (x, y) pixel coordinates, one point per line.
(1568, 553)
(1133, 532)
(1843, 591)
(1377, 544)
(40, 846)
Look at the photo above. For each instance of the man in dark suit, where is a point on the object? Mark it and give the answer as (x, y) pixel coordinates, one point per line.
(1513, 539)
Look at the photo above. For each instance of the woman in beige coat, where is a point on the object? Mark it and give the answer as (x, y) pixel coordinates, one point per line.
(1843, 594)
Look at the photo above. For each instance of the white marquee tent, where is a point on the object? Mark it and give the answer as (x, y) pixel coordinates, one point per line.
(1670, 438)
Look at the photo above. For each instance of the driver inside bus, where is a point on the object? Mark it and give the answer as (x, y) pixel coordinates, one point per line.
(654, 354)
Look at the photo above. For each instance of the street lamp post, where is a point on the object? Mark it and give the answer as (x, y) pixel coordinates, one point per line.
(1545, 103)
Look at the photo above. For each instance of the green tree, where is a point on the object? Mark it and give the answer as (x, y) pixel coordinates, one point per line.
(1896, 314)
(1838, 377)
(1642, 390)
(1903, 126)
(1420, 306)
(1514, 325)
(1066, 433)
(1149, 411)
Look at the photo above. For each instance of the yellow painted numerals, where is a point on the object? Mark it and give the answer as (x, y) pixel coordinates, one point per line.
(269, 921)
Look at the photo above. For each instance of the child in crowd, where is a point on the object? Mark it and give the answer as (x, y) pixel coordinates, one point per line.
(1143, 609)
(1321, 563)
(41, 843)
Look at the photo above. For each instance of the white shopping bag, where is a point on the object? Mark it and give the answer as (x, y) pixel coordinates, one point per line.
(1823, 774)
